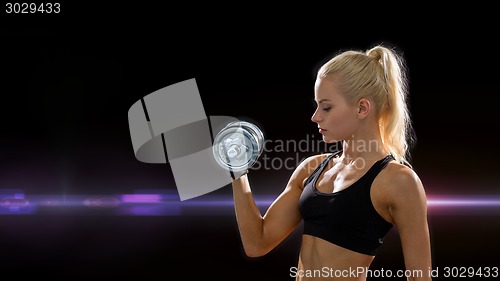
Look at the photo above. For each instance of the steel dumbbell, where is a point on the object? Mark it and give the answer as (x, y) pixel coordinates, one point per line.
(238, 146)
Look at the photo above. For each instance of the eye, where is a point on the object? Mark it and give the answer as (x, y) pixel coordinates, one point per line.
(326, 109)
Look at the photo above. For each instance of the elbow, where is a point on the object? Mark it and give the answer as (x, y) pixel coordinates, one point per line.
(253, 254)
(255, 251)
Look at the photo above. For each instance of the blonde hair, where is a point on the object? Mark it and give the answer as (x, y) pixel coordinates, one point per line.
(378, 74)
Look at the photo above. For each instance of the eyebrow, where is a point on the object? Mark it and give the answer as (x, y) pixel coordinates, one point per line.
(322, 100)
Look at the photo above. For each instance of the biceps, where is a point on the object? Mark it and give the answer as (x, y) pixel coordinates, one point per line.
(283, 216)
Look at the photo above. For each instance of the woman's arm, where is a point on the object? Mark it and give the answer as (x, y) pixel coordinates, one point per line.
(408, 209)
(260, 234)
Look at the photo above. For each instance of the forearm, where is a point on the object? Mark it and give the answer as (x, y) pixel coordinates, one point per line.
(249, 219)
(423, 275)
(420, 271)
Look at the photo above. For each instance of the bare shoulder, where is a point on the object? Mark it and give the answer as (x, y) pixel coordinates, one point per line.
(400, 184)
(312, 162)
(305, 168)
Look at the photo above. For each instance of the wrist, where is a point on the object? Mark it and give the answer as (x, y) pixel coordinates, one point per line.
(238, 174)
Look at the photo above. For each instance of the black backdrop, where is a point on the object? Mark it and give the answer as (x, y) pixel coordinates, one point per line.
(69, 79)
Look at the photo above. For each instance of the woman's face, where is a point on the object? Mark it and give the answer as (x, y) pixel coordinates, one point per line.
(336, 118)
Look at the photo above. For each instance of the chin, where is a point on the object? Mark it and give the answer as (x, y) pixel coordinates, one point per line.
(329, 140)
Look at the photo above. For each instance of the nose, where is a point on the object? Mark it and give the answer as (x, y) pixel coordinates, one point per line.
(315, 117)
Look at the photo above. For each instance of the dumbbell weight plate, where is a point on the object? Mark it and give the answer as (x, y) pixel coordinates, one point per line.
(238, 146)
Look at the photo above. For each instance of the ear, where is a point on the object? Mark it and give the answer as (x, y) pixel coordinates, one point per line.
(363, 107)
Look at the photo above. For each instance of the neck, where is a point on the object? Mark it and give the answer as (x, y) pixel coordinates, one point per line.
(364, 147)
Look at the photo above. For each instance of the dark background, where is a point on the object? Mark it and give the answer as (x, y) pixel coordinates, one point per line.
(69, 79)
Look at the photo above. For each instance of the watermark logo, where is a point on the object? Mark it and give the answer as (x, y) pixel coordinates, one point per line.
(170, 126)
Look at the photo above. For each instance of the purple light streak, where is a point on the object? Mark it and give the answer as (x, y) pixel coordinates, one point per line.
(167, 203)
(463, 201)
(141, 198)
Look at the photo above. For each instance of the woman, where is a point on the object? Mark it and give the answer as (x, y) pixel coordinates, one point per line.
(349, 199)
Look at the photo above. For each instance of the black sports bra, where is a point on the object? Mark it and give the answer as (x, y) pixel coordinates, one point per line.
(346, 218)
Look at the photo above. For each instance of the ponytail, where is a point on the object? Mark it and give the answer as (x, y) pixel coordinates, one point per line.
(378, 74)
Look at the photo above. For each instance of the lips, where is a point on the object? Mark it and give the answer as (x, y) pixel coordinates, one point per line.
(321, 130)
